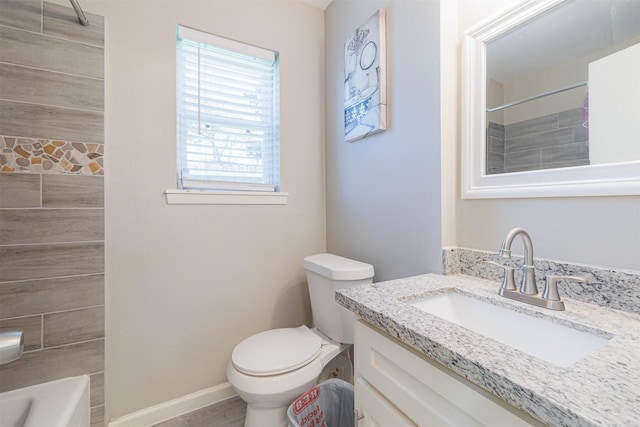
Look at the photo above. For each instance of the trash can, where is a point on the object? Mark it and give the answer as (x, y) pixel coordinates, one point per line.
(329, 404)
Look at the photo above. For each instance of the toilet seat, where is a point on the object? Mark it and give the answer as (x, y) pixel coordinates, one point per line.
(276, 351)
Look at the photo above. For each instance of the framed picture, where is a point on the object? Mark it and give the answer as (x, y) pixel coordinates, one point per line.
(365, 80)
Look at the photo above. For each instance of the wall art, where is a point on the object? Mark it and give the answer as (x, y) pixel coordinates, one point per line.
(365, 88)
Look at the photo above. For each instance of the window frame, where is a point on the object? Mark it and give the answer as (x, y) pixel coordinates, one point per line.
(227, 192)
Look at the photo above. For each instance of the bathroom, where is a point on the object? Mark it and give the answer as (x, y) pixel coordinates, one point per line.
(173, 288)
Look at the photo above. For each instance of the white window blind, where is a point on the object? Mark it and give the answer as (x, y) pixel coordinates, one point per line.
(227, 114)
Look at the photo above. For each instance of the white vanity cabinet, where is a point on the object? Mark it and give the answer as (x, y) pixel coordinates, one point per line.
(397, 386)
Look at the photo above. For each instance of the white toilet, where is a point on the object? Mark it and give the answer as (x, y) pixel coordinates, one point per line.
(271, 369)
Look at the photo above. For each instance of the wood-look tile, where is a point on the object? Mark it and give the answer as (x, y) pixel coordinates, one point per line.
(580, 133)
(61, 21)
(96, 392)
(32, 85)
(19, 190)
(48, 295)
(97, 416)
(53, 363)
(535, 125)
(565, 164)
(495, 161)
(228, 413)
(570, 118)
(25, 262)
(50, 53)
(523, 168)
(522, 159)
(23, 14)
(68, 327)
(496, 145)
(42, 121)
(72, 191)
(31, 328)
(20, 226)
(495, 130)
(566, 152)
(539, 140)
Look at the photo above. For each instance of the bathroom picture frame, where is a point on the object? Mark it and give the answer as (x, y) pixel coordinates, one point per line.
(365, 79)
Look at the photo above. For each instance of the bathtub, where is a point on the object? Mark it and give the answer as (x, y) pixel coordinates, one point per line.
(60, 403)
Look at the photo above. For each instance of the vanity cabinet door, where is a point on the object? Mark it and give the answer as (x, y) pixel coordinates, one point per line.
(374, 410)
(424, 391)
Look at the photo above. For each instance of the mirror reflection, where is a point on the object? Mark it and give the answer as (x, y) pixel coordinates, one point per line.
(563, 89)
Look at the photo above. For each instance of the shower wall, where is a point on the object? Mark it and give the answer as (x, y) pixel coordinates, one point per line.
(52, 194)
(555, 140)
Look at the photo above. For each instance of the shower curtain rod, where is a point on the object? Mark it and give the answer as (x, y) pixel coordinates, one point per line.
(540, 95)
(81, 16)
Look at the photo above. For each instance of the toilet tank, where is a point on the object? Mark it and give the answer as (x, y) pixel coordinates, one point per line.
(325, 274)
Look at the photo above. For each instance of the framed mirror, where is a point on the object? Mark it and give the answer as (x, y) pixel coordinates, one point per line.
(551, 101)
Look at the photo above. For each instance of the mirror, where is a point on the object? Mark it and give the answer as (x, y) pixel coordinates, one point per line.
(551, 101)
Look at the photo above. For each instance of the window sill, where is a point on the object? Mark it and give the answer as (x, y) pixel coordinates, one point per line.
(209, 197)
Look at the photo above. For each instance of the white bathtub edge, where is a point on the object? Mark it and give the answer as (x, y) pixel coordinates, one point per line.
(57, 403)
(176, 407)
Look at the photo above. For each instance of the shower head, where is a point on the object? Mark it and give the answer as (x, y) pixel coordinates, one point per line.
(82, 18)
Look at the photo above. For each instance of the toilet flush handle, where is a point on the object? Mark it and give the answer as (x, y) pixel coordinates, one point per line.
(357, 416)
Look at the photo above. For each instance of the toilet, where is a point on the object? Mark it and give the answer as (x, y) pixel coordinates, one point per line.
(271, 369)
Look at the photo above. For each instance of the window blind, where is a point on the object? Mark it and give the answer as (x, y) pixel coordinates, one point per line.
(227, 114)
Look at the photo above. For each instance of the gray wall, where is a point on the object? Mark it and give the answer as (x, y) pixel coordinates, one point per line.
(52, 194)
(383, 192)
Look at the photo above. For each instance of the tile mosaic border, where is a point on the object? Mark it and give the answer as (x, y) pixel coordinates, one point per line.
(617, 289)
(39, 155)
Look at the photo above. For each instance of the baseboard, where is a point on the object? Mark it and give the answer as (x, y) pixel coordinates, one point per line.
(176, 407)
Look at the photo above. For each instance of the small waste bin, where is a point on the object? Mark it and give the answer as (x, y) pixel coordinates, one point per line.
(329, 404)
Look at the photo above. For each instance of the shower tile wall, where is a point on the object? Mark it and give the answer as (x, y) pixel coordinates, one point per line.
(552, 141)
(495, 148)
(52, 194)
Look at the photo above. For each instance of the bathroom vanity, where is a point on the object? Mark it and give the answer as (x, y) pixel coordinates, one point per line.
(395, 384)
(413, 367)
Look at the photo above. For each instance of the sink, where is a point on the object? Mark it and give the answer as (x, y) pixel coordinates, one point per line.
(555, 343)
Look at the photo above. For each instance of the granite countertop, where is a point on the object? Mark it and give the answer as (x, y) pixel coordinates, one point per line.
(602, 389)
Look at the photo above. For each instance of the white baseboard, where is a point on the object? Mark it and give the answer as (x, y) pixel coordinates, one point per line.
(176, 407)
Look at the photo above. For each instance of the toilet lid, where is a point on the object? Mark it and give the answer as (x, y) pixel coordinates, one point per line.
(276, 351)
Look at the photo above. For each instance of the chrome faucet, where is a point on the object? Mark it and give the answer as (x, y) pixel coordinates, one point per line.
(528, 291)
(11, 346)
(528, 285)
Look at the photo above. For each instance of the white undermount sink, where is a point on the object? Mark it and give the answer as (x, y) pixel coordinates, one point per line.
(555, 343)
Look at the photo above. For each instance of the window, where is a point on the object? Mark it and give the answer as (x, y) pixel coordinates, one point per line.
(227, 114)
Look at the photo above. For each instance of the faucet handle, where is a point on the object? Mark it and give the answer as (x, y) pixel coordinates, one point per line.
(551, 285)
(508, 282)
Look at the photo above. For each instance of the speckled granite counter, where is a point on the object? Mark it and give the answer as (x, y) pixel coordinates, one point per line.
(602, 389)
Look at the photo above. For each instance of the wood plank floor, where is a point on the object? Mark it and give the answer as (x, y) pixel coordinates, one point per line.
(228, 413)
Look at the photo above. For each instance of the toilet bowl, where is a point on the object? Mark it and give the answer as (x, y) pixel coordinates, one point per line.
(271, 369)
(289, 363)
